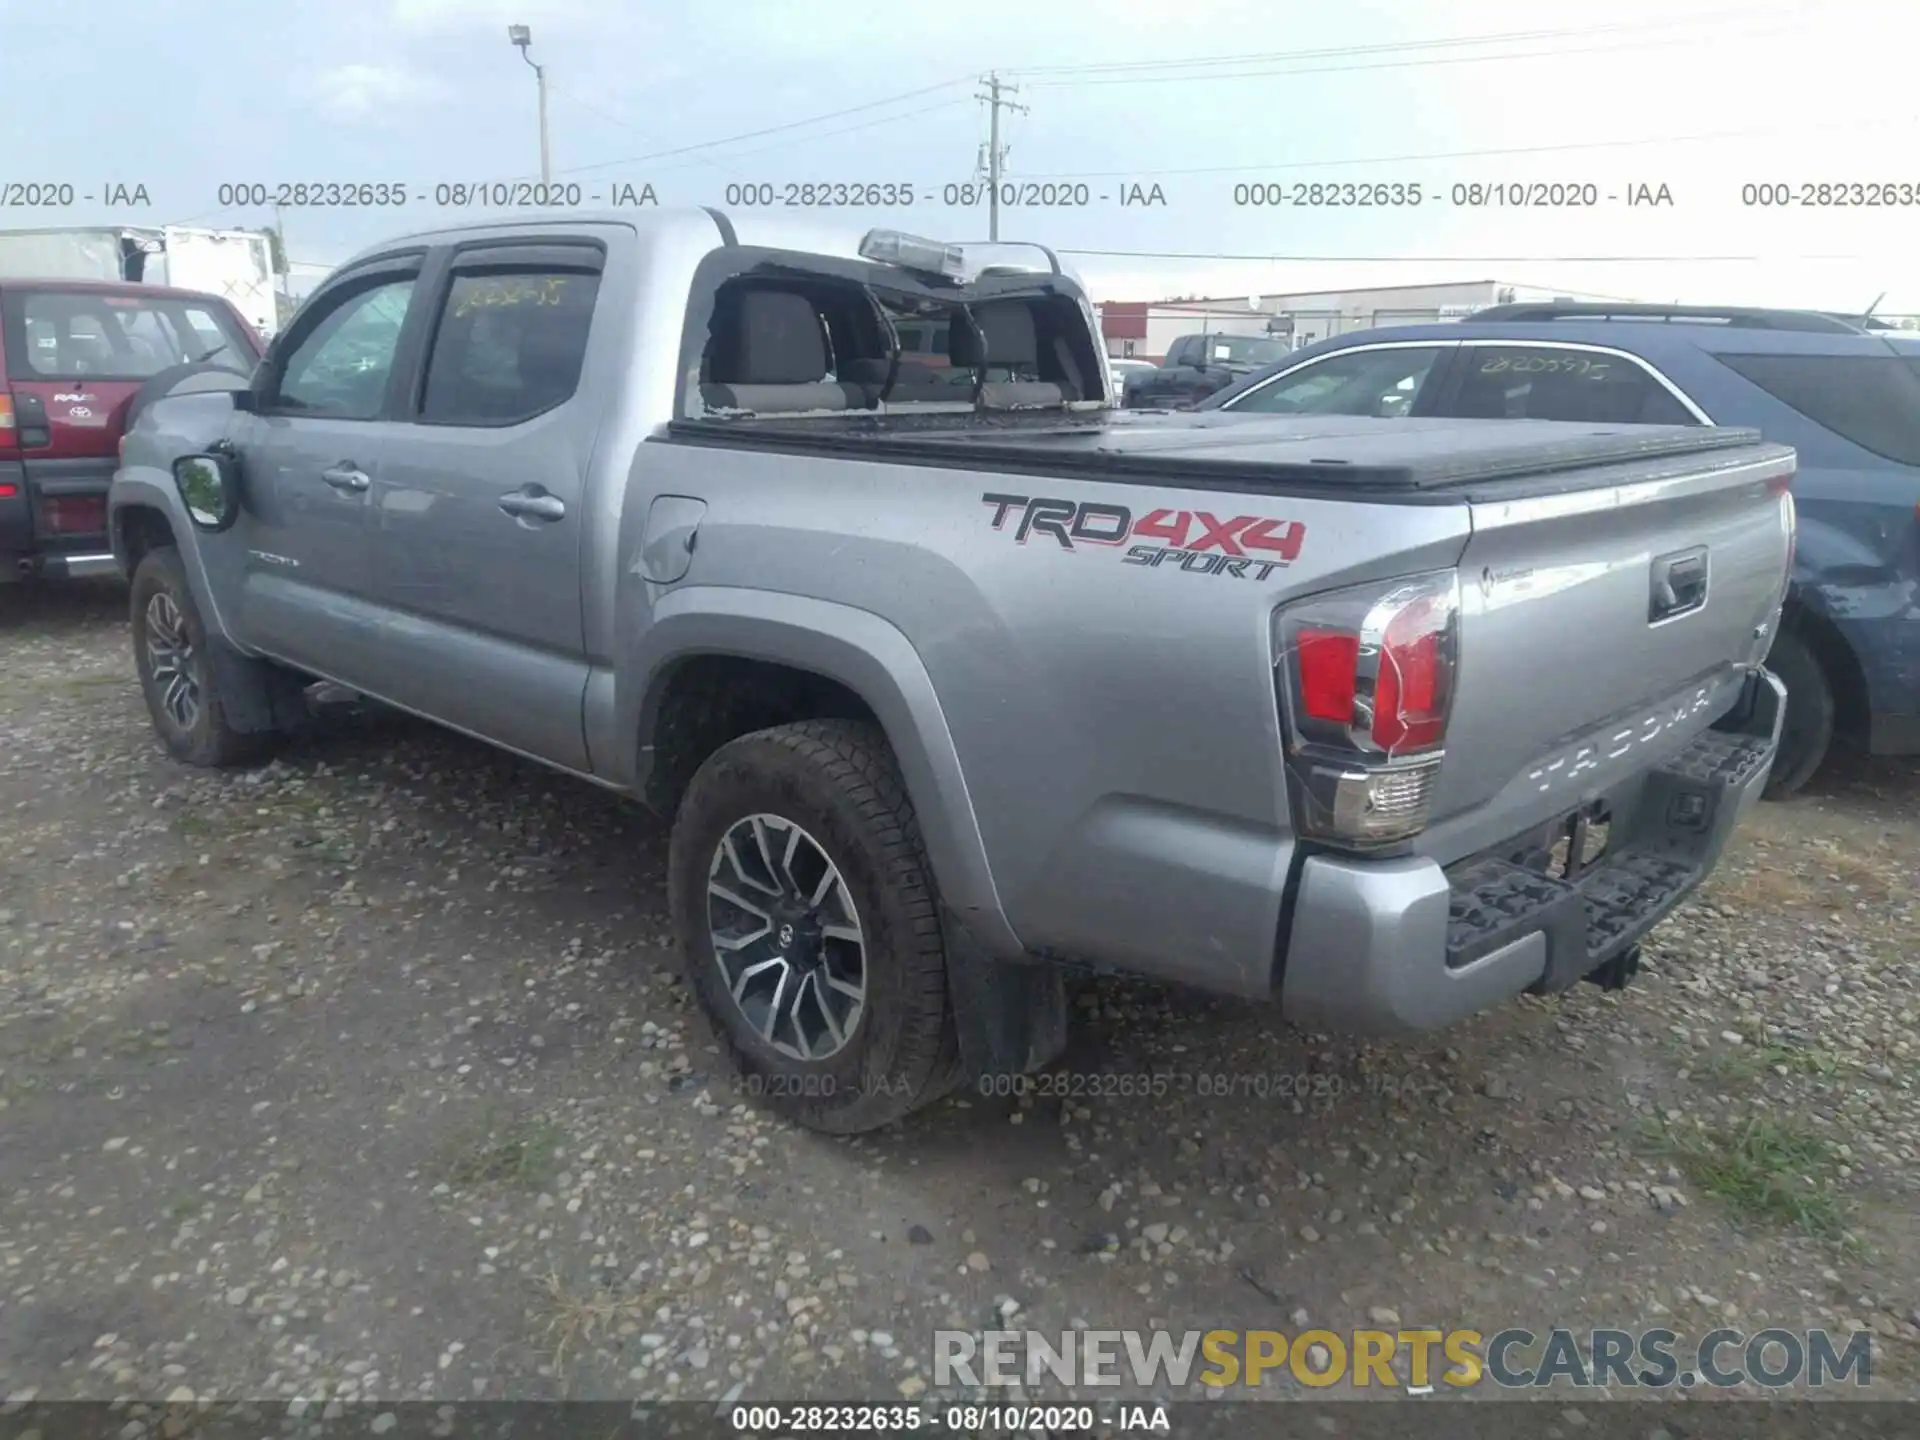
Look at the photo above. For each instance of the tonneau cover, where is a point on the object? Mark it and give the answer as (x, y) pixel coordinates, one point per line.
(1408, 456)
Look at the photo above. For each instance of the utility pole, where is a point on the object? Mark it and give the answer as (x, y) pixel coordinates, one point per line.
(996, 155)
(522, 37)
(283, 279)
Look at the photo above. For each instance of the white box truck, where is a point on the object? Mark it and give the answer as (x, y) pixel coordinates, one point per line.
(236, 265)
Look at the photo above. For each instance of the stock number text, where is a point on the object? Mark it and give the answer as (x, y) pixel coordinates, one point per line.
(1307, 1085)
(315, 194)
(1843, 194)
(1316, 194)
(820, 194)
(827, 1419)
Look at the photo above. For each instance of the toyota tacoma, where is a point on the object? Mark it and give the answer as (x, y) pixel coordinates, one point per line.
(952, 678)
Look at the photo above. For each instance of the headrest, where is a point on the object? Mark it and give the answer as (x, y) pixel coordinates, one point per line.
(776, 340)
(1008, 328)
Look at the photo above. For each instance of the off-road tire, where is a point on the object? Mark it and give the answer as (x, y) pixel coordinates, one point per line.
(1806, 733)
(839, 781)
(209, 740)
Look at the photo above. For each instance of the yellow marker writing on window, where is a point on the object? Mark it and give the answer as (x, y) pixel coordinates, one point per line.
(503, 293)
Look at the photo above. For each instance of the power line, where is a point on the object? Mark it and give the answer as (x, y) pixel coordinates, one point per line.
(624, 124)
(771, 129)
(826, 134)
(1496, 151)
(1556, 53)
(1389, 47)
(1449, 259)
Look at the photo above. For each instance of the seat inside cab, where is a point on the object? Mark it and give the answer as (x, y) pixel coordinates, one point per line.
(790, 345)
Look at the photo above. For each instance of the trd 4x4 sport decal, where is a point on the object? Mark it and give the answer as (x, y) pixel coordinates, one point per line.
(1245, 547)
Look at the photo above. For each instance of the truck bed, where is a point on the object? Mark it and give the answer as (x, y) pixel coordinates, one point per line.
(1412, 461)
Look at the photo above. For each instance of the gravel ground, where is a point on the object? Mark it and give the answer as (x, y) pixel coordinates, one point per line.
(370, 1075)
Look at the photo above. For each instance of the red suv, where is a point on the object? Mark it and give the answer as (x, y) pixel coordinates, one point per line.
(73, 356)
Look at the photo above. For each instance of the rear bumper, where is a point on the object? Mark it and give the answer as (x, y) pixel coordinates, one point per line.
(1401, 946)
(16, 516)
(71, 567)
(26, 551)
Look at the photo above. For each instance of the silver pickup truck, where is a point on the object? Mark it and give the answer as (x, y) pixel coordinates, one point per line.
(952, 677)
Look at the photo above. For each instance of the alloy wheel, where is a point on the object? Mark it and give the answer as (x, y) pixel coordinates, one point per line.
(172, 660)
(787, 937)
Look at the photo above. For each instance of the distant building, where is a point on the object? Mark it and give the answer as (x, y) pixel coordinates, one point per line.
(1143, 330)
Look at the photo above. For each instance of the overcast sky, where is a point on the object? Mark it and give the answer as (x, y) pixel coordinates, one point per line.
(1697, 95)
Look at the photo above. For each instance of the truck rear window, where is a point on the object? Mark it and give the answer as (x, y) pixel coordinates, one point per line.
(1872, 400)
(781, 341)
(99, 335)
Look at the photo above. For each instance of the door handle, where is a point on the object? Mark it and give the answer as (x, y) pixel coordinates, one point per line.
(346, 477)
(1679, 584)
(533, 504)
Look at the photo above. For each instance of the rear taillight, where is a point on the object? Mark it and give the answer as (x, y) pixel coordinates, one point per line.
(9, 425)
(73, 514)
(1366, 685)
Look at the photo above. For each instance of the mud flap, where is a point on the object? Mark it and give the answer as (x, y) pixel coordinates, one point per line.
(1011, 1015)
(257, 696)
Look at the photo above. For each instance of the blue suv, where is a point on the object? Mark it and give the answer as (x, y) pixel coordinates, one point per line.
(1843, 393)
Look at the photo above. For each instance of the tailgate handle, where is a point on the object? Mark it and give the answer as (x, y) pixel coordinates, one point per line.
(1679, 584)
(30, 414)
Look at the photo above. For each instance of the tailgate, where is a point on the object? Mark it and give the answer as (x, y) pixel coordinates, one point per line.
(69, 445)
(1602, 626)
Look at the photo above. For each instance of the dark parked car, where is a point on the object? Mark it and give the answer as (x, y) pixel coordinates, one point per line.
(74, 357)
(1198, 365)
(1843, 392)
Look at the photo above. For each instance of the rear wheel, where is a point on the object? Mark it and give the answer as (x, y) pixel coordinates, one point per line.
(176, 671)
(809, 925)
(1806, 732)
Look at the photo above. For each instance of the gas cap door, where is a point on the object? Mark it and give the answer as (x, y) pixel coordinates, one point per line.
(666, 545)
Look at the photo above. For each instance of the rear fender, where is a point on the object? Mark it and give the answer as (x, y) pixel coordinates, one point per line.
(1831, 564)
(855, 648)
(1869, 608)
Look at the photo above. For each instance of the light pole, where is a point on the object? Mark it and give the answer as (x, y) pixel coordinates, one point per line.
(522, 36)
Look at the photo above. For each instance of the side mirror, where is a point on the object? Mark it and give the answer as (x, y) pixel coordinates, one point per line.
(209, 487)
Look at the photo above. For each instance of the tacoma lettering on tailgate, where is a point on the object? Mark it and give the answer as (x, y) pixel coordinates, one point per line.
(1575, 763)
(1193, 541)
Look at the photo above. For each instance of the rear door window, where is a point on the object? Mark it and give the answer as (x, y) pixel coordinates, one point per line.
(1383, 383)
(509, 345)
(1871, 400)
(1537, 382)
(101, 335)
